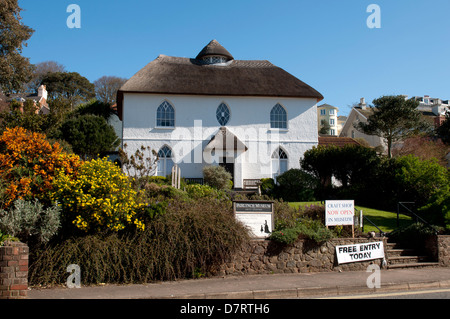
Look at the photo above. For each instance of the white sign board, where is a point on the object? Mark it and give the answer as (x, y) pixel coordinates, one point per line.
(339, 212)
(359, 252)
(257, 217)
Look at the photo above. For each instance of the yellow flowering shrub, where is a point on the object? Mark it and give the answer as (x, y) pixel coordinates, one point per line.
(99, 197)
(29, 163)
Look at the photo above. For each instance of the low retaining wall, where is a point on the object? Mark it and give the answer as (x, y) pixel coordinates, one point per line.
(266, 257)
(443, 250)
(13, 270)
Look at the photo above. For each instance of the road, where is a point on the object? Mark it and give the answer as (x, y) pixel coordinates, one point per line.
(437, 293)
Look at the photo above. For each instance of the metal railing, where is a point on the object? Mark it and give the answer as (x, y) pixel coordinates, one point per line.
(382, 233)
(414, 215)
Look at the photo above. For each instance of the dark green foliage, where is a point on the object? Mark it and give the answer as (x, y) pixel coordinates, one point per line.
(394, 119)
(267, 186)
(296, 185)
(413, 236)
(15, 70)
(89, 135)
(307, 228)
(443, 131)
(355, 167)
(69, 85)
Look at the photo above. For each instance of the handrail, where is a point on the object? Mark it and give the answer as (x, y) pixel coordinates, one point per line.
(418, 218)
(373, 224)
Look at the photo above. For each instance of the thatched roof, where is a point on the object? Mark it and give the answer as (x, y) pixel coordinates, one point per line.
(214, 48)
(174, 75)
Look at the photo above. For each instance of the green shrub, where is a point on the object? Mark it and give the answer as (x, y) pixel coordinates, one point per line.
(307, 228)
(191, 239)
(28, 220)
(217, 177)
(413, 236)
(285, 236)
(296, 185)
(267, 186)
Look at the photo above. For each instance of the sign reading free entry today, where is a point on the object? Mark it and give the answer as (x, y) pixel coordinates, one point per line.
(257, 216)
(339, 212)
(359, 252)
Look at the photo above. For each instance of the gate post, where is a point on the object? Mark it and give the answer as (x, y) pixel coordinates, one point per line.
(13, 270)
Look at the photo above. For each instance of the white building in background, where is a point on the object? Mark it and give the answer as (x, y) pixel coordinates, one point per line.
(251, 117)
(328, 114)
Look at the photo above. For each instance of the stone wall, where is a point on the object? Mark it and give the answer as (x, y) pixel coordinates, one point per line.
(13, 270)
(266, 257)
(443, 250)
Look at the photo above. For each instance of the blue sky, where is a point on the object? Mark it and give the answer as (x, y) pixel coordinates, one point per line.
(325, 43)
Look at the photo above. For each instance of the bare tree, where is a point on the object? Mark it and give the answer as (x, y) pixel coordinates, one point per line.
(40, 71)
(106, 88)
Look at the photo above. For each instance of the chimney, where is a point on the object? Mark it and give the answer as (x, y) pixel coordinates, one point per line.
(42, 92)
(362, 103)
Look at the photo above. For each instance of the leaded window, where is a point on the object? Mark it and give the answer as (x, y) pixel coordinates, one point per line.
(278, 117)
(223, 114)
(165, 115)
(165, 161)
(279, 162)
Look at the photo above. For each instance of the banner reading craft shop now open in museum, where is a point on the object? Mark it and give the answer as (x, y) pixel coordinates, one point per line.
(339, 212)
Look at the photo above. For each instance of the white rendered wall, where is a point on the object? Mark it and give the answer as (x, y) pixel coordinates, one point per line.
(196, 123)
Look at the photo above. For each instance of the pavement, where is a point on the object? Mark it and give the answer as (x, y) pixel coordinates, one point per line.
(271, 286)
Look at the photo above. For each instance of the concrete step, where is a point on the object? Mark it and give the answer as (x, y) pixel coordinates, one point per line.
(401, 257)
(407, 259)
(400, 252)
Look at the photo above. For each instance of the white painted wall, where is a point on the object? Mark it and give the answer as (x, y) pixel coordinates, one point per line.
(196, 123)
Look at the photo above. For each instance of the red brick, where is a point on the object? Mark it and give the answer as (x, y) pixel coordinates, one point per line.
(13, 263)
(23, 268)
(19, 287)
(23, 262)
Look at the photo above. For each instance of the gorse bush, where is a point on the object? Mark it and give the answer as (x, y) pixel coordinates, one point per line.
(188, 239)
(99, 197)
(29, 164)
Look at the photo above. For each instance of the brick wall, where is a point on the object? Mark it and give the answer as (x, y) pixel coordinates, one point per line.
(13, 270)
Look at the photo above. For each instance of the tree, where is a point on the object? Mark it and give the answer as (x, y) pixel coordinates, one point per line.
(106, 88)
(394, 118)
(424, 148)
(89, 135)
(69, 85)
(40, 71)
(325, 128)
(14, 68)
(443, 131)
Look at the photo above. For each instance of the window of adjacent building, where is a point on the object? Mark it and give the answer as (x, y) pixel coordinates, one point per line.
(331, 112)
(331, 121)
(278, 117)
(332, 132)
(165, 115)
(165, 161)
(323, 112)
(279, 163)
(223, 114)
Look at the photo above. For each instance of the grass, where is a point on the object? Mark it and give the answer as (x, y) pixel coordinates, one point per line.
(386, 221)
